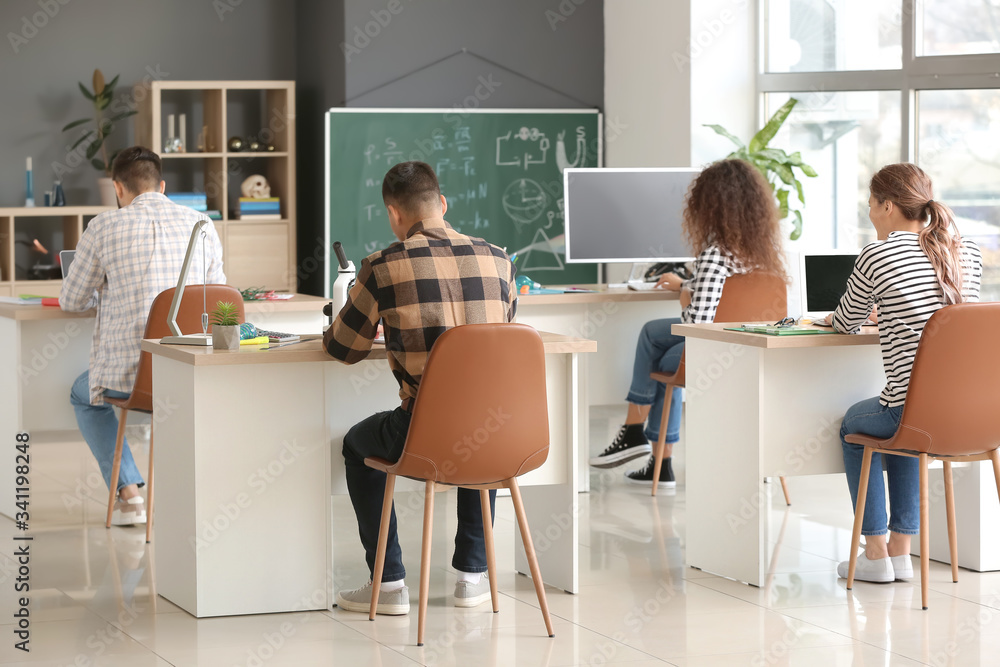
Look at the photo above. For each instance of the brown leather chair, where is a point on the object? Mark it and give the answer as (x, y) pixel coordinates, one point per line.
(471, 370)
(141, 398)
(950, 414)
(746, 297)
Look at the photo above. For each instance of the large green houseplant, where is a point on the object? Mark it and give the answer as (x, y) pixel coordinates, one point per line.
(777, 166)
(101, 97)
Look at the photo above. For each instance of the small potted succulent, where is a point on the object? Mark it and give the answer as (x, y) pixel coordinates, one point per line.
(225, 326)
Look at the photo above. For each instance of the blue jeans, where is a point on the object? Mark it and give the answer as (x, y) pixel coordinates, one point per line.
(99, 426)
(658, 350)
(872, 418)
(383, 435)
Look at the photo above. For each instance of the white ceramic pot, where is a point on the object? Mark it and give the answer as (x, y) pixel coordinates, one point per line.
(107, 189)
(226, 338)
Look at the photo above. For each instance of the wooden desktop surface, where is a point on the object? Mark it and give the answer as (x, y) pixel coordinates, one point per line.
(310, 348)
(601, 294)
(717, 332)
(298, 303)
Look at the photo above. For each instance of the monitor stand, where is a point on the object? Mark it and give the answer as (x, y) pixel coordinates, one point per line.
(634, 276)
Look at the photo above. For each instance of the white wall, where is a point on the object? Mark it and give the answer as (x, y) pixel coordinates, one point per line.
(723, 75)
(647, 98)
(669, 67)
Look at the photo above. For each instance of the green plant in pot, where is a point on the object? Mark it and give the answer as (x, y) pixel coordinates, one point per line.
(777, 166)
(225, 326)
(104, 121)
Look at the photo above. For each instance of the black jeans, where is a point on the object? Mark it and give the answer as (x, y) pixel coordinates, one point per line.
(383, 435)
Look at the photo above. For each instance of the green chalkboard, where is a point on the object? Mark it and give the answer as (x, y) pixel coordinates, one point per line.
(501, 172)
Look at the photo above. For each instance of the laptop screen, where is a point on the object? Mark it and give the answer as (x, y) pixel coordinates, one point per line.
(825, 280)
(65, 259)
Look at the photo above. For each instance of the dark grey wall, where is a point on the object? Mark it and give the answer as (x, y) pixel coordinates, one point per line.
(319, 84)
(179, 40)
(533, 65)
(409, 53)
(538, 60)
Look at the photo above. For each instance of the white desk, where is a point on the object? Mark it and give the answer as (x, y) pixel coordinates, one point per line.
(613, 318)
(751, 414)
(250, 445)
(45, 349)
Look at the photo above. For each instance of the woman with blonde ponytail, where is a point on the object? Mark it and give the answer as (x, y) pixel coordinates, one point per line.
(918, 265)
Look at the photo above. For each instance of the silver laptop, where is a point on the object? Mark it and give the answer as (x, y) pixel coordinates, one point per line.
(65, 259)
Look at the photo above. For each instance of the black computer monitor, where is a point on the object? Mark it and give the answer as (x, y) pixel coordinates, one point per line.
(824, 279)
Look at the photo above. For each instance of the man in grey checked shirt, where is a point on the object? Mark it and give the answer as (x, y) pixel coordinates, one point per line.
(123, 260)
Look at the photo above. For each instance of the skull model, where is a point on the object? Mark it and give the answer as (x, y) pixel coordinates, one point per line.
(256, 187)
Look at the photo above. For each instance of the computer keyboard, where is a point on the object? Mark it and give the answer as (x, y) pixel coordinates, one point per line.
(277, 336)
(642, 287)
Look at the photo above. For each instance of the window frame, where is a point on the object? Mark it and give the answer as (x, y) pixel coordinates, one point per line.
(951, 72)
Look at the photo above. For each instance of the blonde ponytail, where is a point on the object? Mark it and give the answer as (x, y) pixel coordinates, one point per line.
(944, 251)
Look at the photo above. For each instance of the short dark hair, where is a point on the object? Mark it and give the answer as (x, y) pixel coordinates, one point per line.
(138, 169)
(410, 186)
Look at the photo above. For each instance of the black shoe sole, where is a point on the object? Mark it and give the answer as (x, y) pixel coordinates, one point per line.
(620, 458)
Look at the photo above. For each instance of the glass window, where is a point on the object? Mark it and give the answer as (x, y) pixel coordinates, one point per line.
(952, 27)
(958, 145)
(846, 137)
(840, 35)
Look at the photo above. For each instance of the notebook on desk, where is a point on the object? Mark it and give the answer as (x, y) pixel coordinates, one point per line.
(772, 330)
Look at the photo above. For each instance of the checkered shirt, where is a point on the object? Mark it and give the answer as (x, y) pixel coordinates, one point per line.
(419, 288)
(711, 268)
(123, 260)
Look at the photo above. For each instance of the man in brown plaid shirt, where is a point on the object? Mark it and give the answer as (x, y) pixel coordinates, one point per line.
(433, 279)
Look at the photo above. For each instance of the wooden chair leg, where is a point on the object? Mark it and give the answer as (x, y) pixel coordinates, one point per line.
(995, 458)
(925, 538)
(949, 502)
(661, 441)
(784, 489)
(491, 557)
(529, 551)
(149, 488)
(859, 514)
(383, 539)
(116, 467)
(425, 560)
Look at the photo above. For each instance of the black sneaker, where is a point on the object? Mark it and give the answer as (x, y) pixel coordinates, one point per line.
(644, 476)
(630, 443)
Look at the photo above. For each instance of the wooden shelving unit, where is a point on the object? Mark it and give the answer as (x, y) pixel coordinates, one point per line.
(256, 253)
(56, 227)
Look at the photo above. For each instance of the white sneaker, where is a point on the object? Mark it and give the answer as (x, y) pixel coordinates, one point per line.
(468, 594)
(902, 566)
(878, 571)
(391, 603)
(129, 512)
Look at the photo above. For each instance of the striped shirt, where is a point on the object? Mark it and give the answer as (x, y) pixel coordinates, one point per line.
(123, 260)
(419, 288)
(896, 276)
(711, 268)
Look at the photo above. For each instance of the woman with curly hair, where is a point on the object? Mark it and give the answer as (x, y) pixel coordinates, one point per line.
(731, 224)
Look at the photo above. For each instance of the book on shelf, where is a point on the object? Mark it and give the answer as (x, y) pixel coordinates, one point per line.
(258, 216)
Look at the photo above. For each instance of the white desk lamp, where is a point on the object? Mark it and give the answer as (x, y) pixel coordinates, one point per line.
(204, 338)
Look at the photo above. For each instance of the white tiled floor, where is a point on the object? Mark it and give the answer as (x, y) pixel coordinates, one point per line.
(93, 598)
